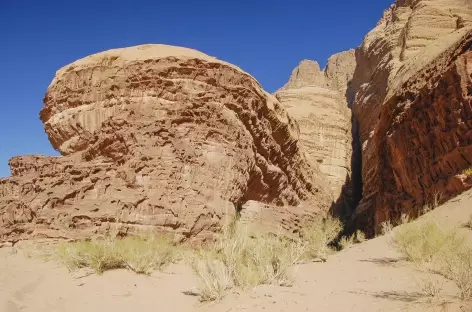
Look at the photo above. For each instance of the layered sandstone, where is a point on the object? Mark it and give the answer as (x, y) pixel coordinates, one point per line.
(412, 108)
(318, 100)
(169, 139)
(155, 137)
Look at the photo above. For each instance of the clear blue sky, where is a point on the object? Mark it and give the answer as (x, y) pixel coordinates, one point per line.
(265, 38)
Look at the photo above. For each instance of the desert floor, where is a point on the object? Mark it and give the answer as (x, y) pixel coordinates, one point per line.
(370, 276)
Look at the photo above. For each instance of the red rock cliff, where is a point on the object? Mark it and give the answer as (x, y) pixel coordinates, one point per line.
(413, 108)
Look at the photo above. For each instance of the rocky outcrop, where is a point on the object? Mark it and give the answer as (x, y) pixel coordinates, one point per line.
(318, 100)
(170, 139)
(160, 138)
(267, 218)
(412, 108)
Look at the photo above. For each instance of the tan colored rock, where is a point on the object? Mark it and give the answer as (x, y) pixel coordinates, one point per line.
(155, 138)
(318, 101)
(411, 137)
(267, 218)
(307, 73)
(339, 72)
(411, 34)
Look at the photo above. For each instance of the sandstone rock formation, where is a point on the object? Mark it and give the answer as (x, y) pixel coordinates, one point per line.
(318, 100)
(409, 88)
(267, 218)
(413, 108)
(170, 139)
(160, 138)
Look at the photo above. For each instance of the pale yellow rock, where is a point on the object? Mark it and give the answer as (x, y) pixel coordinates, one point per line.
(318, 101)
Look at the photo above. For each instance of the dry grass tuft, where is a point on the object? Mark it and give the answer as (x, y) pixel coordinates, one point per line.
(386, 227)
(430, 290)
(456, 265)
(432, 205)
(140, 255)
(360, 236)
(426, 209)
(468, 171)
(317, 235)
(214, 276)
(431, 287)
(404, 219)
(239, 259)
(346, 242)
(437, 250)
(420, 242)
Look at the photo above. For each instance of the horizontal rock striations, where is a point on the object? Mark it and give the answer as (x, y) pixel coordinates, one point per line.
(169, 139)
(318, 100)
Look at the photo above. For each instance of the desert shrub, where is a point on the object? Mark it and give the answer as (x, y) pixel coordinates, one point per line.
(387, 226)
(419, 242)
(140, 255)
(431, 287)
(360, 236)
(456, 265)
(346, 242)
(441, 251)
(214, 276)
(99, 256)
(243, 260)
(145, 255)
(318, 234)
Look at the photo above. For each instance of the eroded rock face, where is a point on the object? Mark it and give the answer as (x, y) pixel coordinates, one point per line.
(266, 218)
(155, 137)
(412, 108)
(318, 100)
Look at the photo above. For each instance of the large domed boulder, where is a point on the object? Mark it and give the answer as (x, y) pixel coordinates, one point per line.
(159, 138)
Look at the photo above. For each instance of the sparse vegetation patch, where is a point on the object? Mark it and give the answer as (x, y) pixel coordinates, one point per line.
(243, 259)
(467, 171)
(240, 259)
(317, 234)
(346, 242)
(140, 255)
(438, 250)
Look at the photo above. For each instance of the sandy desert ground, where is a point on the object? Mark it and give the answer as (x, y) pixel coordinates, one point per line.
(370, 276)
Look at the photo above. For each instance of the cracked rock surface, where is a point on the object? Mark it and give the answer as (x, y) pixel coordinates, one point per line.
(156, 138)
